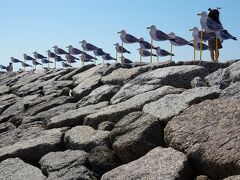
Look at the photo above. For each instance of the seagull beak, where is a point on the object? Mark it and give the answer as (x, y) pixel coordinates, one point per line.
(80, 42)
(115, 44)
(190, 29)
(148, 27)
(199, 14)
(119, 32)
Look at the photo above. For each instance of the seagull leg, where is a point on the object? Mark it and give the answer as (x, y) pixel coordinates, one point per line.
(201, 45)
(151, 51)
(83, 58)
(94, 59)
(141, 56)
(158, 59)
(195, 43)
(216, 51)
(122, 50)
(171, 53)
(48, 62)
(55, 63)
(116, 56)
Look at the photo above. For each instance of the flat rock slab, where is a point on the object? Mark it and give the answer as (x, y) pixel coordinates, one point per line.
(17, 169)
(114, 113)
(159, 163)
(85, 138)
(209, 134)
(233, 91)
(171, 105)
(232, 178)
(102, 93)
(4, 89)
(55, 161)
(74, 117)
(135, 135)
(37, 145)
(176, 76)
(85, 87)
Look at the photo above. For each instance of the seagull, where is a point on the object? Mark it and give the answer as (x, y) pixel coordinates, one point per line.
(196, 33)
(162, 53)
(28, 58)
(14, 60)
(70, 58)
(88, 56)
(2, 67)
(178, 41)
(145, 53)
(121, 49)
(85, 59)
(45, 61)
(125, 60)
(59, 51)
(74, 51)
(145, 44)
(127, 38)
(208, 24)
(87, 46)
(108, 57)
(98, 52)
(224, 35)
(34, 62)
(65, 65)
(157, 35)
(59, 59)
(38, 56)
(25, 64)
(51, 54)
(204, 46)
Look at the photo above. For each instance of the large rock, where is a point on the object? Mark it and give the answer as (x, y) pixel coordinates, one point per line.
(171, 105)
(114, 113)
(223, 77)
(159, 163)
(102, 160)
(108, 68)
(4, 89)
(74, 117)
(85, 87)
(209, 134)
(135, 135)
(6, 101)
(233, 91)
(35, 146)
(103, 93)
(54, 162)
(176, 76)
(122, 75)
(16, 169)
(237, 177)
(85, 138)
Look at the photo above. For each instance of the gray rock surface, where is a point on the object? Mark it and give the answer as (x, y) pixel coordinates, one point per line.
(209, 134)
(159, 163)
(85, 138)
(233, 91)
(16, 169)
(4, 89)
(171, 105)
(176, 76)
(135, 135)
(198, 82)
(237, 177)
(114, 113)
(37, 145)
(106, 126)
(74, 117)
(103, 93)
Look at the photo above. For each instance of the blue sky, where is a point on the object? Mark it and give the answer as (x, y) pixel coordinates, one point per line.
(34, 25)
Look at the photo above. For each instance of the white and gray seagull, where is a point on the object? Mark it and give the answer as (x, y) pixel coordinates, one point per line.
(38, 56)
(98, 52)
(157, 35)
(145, 45)
(87, 46)
(145, 53)
(162, 53)
(178, 41)
(107, 57)
(224, 35)
(74, 51)
(127, 38)
(196, 33)
(14, 60)
(121, 49)
(59, 51)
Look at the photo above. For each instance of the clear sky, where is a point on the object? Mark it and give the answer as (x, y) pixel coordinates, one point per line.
(38, 25)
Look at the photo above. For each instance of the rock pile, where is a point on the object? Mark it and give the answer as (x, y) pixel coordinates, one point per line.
(141, 121)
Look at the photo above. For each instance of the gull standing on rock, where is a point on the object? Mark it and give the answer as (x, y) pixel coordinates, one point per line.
(70, 58)
(125, 60)
(120, 49)
(27, 58)
(65, 65)
(58, 51)
(224, 35)
(58, 59)
(162, 53)
(46, 61)
(99, 52)
(74, 51)
(88, 47)
(51, 55)
(108, 57)
(38, 56)
(145, 53)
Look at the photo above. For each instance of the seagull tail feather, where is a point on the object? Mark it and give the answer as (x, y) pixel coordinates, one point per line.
(234, 38)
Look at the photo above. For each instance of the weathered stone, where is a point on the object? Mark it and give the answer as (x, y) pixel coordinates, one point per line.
(16, 169)
(122, 75)
(237, 177)
(55, 74)
(4, 89)
(209, 134)
(103, 93)
(201, 177)
(6, 101)
(114, 113)
(55, 161)
(233, 91)
(171, 105)
(85, 87)
(6, 127)
(106, 126)
(176, 76)
(135, 135)
(102, 160)
(36, 146)
(108, 68)
(85, 138)
(198, 82)
(159, 163)
(74, 117)
(79, 78)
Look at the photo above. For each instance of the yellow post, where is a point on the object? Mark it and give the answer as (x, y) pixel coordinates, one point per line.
(140, 55)
(24, 66)
(216, 54)
(94, 59)
(201, 45)
(48, 62)
(122, 51)
(55, 62)
(195, 45)
(83, 57)
(158, 59)
(171, 53)
(116, 56)
(151, 51)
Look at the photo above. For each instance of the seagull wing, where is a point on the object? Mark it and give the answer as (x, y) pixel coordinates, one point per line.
(164, 52)
(90, 46)
(180, 41)
(76, 51)
(127, 61)
(161, 35)
(131, 39)
(213, 25)
(146, 53)
(226, 35)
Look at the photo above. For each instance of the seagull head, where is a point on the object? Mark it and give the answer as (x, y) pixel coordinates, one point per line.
(194, 29)
(172, 35)
(152, 27)
(70, 46)
(55, 47)
(122, 32)
(141, 39)
(83, 41)
(158, 48)
(202, 14)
